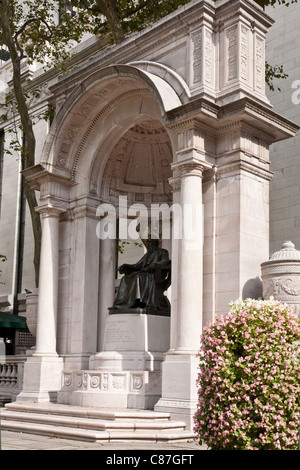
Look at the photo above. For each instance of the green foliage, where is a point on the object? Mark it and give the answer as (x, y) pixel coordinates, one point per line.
(118, 17)
(136, 15)
(274, 72)
(121, 245)
(249, 379)
(266, 3)
(36, 32)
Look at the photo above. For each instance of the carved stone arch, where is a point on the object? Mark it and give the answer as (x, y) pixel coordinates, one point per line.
(168, 75)
(93, 100)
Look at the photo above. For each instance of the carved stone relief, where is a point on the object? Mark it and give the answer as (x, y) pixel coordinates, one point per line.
(281, 276)
(245, 53)
(202, 57)
(232, 56)
(260, 64)
(196, 40)
(100, 381)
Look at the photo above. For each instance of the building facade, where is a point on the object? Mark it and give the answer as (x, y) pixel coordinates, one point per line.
(283, 49)
(176, 115)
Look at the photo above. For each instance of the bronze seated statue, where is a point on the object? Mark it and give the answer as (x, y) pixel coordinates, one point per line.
(143, 285)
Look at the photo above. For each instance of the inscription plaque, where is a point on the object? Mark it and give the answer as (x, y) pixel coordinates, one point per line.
(120, 334)
(140, 332)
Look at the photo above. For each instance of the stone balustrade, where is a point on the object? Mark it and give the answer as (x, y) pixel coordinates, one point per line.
(11, 377)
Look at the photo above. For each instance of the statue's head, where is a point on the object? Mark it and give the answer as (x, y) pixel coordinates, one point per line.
(152, 243)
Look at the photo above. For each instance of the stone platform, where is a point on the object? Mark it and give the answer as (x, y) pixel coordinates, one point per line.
(127, 373)
(92, 424)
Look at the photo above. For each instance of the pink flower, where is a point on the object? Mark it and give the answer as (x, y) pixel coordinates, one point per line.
(262, 384)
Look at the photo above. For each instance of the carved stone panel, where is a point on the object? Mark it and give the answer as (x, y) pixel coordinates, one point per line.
(232, 53)
(259, 64)
(202, 58)
(197, 57)
(281, 276)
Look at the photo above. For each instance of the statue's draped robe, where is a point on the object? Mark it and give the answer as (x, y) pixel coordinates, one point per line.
(142, 285)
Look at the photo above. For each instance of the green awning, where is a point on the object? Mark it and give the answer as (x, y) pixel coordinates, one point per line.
(8, 320)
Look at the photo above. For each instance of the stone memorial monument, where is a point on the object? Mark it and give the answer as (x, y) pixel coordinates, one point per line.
(137, 330)
(175, 115)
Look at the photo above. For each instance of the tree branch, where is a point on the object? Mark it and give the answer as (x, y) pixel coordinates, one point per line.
(23, 28)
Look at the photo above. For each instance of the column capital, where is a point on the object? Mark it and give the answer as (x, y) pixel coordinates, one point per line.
(189, 168)
(50, 210)
(175, 183)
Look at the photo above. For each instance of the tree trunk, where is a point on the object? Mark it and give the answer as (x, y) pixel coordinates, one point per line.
(108, 9)
(36, 227)
(28, 152)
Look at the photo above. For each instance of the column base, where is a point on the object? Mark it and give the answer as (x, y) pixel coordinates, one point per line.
(42, 378)
(179, 390)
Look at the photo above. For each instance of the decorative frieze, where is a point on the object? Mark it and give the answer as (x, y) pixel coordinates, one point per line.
(105, 381)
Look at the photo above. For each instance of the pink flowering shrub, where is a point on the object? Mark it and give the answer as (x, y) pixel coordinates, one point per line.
(249, 379)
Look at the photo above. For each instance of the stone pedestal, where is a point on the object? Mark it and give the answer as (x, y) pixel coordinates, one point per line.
(281, 276)
(127, 373)
(179, 392)
(133, 342)
(42, 379)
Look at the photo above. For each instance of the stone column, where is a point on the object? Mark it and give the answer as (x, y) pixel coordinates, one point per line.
(180, 368)
(42, 371)
(107, 284)
(174, 254)
(48, 283)
(190, 270)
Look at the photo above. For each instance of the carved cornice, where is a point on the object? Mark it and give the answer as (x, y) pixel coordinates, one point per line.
(239, 166)
(84, 211)
(244, 112)
(37, 174)
(245, 8)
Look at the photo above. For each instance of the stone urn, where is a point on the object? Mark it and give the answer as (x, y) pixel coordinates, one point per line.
(31, 311)
(281, 276)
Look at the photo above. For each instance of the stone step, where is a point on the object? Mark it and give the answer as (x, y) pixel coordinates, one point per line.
(91, 424)
(88, 412)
